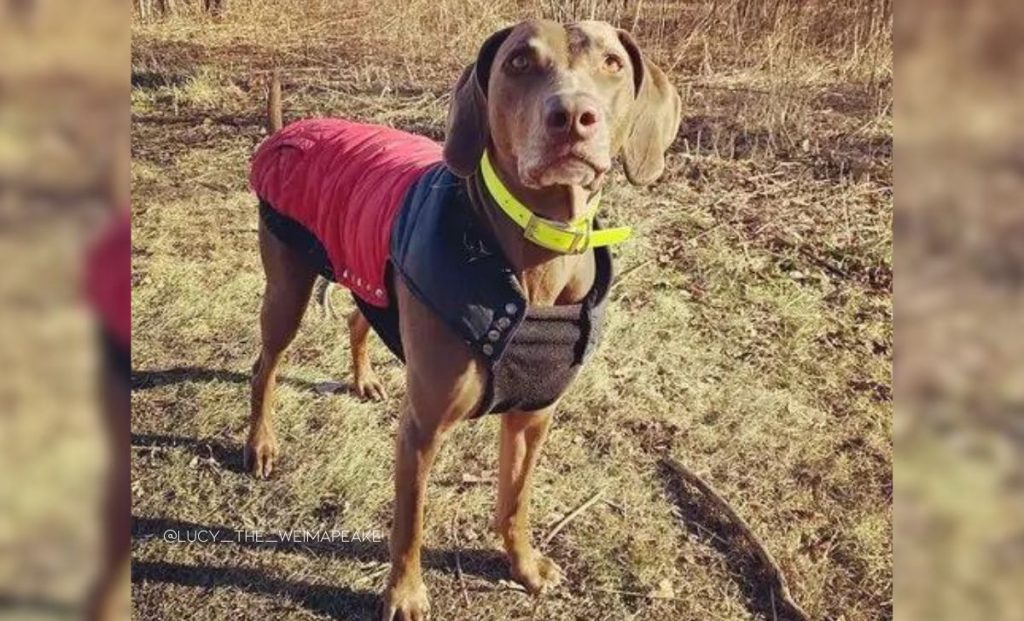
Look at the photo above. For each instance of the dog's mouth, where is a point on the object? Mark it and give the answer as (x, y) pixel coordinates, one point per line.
(570, 166)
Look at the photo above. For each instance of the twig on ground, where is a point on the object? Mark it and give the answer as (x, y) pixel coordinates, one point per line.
(729, 88)
(572, 516)
(472, 479)
(509, 585)
(216, 187)
(630, 270)
(779, 586)
(636, 593)
(615, 505)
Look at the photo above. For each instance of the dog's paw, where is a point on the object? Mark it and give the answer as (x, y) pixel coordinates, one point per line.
(536, 572)
(405, 601)
(368, 387)
(260, 454)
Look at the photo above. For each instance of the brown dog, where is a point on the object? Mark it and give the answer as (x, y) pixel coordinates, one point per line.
(552, 105)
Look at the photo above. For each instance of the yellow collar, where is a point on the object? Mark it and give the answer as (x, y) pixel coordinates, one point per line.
(564, 237)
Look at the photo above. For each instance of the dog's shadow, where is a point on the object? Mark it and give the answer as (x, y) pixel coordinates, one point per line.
(148, 379)
(157, 378)
(228, 456)
(336, 601)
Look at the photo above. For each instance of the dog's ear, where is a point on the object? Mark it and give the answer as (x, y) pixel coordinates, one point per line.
(654, 119)
(467, 115)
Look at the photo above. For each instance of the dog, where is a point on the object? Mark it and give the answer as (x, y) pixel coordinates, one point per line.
(480, 263)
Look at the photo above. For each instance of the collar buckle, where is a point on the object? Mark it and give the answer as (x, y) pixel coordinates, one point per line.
(580, 239)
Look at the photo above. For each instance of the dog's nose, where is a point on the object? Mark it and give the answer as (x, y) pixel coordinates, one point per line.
(571, 116)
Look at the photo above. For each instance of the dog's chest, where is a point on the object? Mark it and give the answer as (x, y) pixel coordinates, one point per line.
(532, 353)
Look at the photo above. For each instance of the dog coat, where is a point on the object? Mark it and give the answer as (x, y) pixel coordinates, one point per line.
(362, 202)
(343, 182)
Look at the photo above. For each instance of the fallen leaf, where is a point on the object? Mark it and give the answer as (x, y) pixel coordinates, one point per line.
(664, 590)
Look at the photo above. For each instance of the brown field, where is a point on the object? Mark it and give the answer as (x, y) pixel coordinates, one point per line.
(750, 333)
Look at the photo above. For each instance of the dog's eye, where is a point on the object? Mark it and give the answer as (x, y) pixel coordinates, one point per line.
(519, 63)
(612, 63)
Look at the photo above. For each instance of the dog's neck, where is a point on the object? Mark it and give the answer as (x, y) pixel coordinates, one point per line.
(547, 277)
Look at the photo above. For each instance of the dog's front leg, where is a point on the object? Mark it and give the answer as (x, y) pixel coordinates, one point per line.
(522, 435)
(405, 598)
(444, 384)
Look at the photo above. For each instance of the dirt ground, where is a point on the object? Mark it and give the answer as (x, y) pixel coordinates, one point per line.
(749, 337)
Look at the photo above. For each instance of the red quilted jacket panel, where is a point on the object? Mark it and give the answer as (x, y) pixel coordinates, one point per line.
(344, 182)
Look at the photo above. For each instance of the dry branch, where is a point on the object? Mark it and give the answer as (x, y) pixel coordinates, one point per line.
(779, 586)
(573, 515)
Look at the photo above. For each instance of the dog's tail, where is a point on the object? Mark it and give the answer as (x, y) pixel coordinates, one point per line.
(275, 118)
(323, 298)
(275, 121)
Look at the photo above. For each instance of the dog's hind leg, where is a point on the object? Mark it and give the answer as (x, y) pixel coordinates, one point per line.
(288, 289)
(364, 380)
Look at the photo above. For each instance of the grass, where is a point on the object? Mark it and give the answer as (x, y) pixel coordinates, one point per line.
(749, 335)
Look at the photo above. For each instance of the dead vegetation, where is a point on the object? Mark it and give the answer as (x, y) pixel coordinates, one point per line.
(750, 334)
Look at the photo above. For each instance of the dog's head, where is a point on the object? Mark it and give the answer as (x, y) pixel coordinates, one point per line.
(558, 102)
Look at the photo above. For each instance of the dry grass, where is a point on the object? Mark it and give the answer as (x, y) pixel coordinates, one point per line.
(750, 333)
